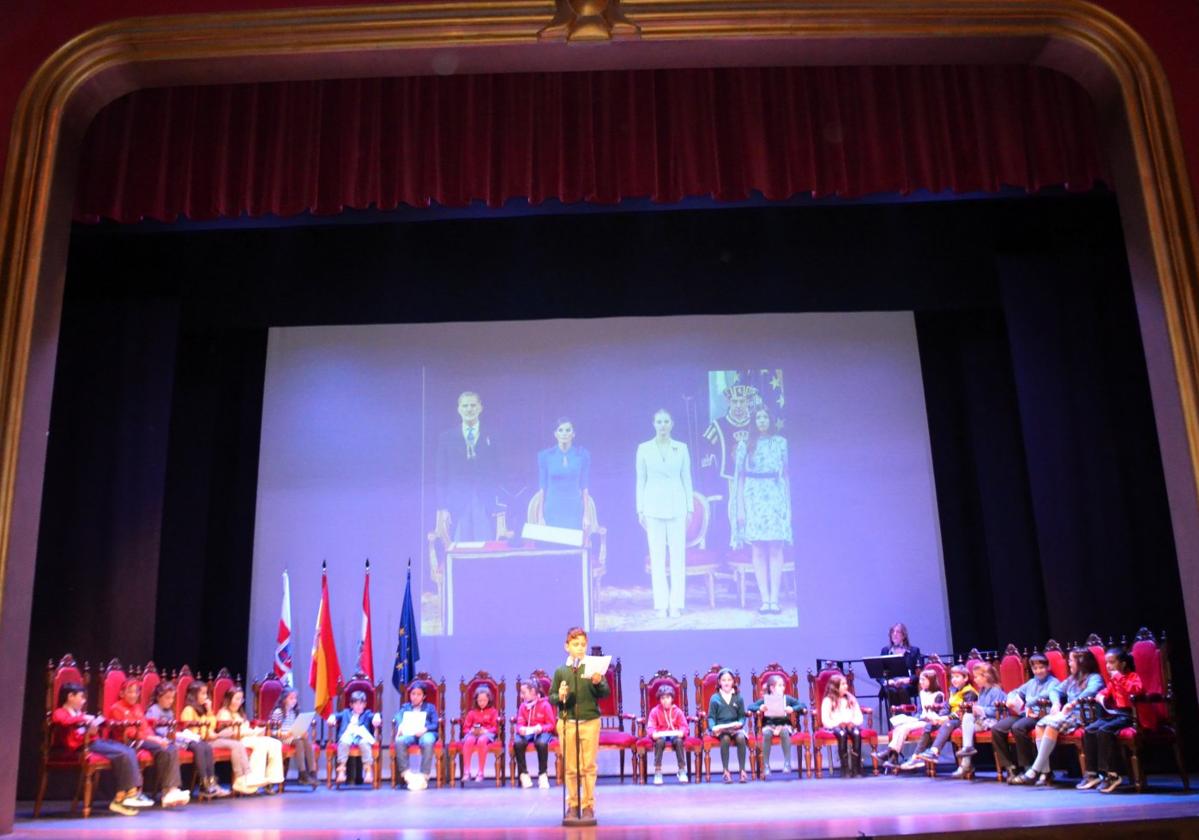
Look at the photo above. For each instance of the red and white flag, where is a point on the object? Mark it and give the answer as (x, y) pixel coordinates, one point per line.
(366, 656)
(283, 637)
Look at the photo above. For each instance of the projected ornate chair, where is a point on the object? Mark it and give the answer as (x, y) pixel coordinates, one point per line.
(599, 564)
(741, 562)
(544, 683)
(822, 737)
(701, 561)
(374, 705)
(801, 739)
(435, 694)
(706, 685)
(87, 764)
(438, 541)
(692, 744)
(466, 702)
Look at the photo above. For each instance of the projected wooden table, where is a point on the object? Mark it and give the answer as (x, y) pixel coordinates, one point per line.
(499, 567)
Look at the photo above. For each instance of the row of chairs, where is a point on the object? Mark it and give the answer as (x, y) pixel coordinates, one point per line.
(1155, 719)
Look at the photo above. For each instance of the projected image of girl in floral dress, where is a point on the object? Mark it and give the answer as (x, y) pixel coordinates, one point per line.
(762, 502)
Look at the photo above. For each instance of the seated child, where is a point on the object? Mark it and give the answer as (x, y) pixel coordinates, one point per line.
(161, 716)
(962, 697)
(1028, 704)
(840, 712)
(425, 737)
(70, 728)
(667, 727)
(283, 716)
(535, 724)
(726, 721)
(1084, 683)
(266, 753)
(197, 717)
(356, 727)
(780, 726)
(479, 731)
(139, 735)
(1099, 738)
(928, 701)
(987, 709)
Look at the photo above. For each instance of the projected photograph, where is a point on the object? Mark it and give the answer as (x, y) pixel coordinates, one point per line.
(544, 485)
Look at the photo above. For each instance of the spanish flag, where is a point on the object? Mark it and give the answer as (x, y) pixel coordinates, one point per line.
(324, 673)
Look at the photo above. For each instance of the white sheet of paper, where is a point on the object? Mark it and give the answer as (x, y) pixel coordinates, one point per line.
(299, 726)
(412, 723)
(775, 705)
(667, 733)
(468, 545)
(596, 665)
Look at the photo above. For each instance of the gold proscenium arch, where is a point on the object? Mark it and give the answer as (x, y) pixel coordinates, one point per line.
(1092, 45)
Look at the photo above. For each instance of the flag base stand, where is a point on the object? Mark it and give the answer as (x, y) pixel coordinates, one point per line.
(578, 822)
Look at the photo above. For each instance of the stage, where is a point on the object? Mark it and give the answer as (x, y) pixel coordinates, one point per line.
(872, 807)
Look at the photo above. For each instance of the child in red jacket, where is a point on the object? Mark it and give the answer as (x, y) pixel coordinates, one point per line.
(479, 731)
(139, 735)
(1099, 739)
(667, 726)
(535, 724)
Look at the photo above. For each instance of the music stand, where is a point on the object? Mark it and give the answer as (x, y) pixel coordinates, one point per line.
(883, 668)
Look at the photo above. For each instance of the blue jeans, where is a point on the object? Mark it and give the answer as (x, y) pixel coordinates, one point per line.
(425, 742)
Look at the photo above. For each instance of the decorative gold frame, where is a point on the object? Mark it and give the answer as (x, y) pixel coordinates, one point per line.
(502, 35)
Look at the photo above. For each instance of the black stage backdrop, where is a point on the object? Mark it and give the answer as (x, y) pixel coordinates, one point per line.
(1052, 503)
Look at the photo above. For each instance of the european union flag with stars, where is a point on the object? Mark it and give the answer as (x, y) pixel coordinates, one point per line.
(407, 647)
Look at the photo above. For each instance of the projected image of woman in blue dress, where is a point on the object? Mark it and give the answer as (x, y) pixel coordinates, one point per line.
(564, 471)
(762, 501)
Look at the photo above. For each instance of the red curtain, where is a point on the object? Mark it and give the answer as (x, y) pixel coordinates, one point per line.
(286, 148)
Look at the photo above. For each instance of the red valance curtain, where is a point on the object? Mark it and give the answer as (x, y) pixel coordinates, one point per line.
(290, 147)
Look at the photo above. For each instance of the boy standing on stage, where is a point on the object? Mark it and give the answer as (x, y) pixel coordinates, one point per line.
(575, 698)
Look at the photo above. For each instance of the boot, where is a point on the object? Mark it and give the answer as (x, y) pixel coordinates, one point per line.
(855, 762)
(843, 755)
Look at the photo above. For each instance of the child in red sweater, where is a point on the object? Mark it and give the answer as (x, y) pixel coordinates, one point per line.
(535, 724)
(1099, 739)
(139, 735)
(479, 731)
(70, 728)
(667, 726)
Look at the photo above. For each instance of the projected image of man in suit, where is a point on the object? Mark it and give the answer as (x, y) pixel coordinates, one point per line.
(466, 475)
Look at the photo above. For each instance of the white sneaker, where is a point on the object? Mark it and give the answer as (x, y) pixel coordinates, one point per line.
(245, 787)
(418, 782)
(543, 781)
(139, 801)
(683, 777)
(657, 778)
(122, 809)
(525, 781)
(175, 798)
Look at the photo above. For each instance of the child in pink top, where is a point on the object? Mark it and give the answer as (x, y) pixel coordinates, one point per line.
(479, 731)
(535, 724)
(667, 726)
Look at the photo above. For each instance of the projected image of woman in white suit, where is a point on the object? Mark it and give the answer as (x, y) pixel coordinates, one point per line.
(665, 502)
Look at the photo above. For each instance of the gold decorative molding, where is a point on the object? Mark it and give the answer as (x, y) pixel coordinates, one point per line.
(375, 40)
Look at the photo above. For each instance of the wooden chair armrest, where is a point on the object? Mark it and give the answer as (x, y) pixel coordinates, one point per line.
(1155, 697)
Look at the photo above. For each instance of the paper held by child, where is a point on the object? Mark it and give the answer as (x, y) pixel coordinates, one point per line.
(412, 724)
(596, 665)
(667, 733)
(775, 705)
(299, 727)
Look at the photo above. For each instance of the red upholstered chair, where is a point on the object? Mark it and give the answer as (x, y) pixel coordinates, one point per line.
(822, 737)
(1154, 713)
(706, 686)
(466, 702)
(266, 693)
(435, 694)
(800, 737)
(1059, 665)
(111, 679)
(613, 735)
(701, 561)
(1013, 669)
(1095, 645)
(692, 743)
(544, 682)
(83, 762)
(374, 704)
(150, 681)
(183, 680)
(599, 557)
(219, 685)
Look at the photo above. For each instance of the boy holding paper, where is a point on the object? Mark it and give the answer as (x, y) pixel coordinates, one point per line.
(415, 724)
(356, 728)
(667, 726)
(574, 692)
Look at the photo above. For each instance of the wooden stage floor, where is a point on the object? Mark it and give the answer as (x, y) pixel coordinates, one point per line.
(822, 808)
